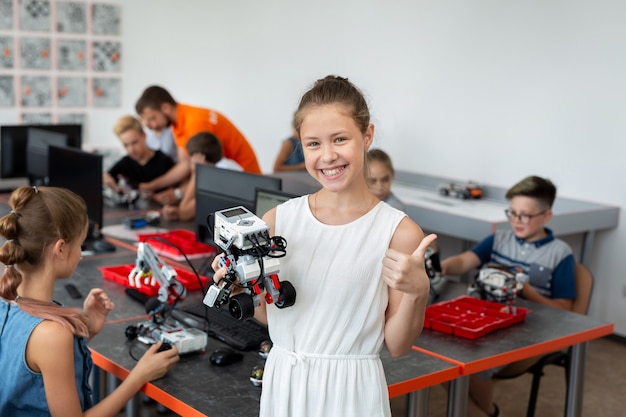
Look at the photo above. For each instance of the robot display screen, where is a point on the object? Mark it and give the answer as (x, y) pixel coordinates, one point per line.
(234, 212)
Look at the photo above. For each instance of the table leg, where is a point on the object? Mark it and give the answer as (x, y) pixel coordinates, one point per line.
(132, 406)
(574, 399)
(111, 383)
(458, 396)
(417, 403)
(588, 238)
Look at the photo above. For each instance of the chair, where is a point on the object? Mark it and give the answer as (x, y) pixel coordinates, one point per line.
(584, 286)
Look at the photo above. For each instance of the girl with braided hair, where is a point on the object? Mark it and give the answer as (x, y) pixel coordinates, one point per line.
(43, 348)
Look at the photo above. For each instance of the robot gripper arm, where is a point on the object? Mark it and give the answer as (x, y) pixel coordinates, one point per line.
(149, 269)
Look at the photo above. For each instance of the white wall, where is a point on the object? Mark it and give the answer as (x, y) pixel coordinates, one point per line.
(488, 90)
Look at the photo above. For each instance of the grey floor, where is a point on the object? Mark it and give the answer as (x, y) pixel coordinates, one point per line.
(604, 389)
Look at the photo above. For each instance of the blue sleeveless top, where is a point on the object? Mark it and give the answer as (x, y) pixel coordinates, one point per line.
(297, 154)
(21, 390)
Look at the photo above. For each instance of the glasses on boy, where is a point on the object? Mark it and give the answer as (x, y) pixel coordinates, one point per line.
(523, 218)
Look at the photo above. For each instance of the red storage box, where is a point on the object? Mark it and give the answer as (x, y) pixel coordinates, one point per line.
(119, 274)
(471, 317)
(184, 239)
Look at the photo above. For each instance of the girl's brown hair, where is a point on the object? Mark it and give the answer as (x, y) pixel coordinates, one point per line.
(332, 89)
(39, 217)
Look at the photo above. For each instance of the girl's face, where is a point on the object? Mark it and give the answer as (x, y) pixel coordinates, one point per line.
(73, 255)
(379, 179)
(333, 146)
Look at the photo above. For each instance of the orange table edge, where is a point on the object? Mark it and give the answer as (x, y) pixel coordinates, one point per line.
(423, 381)
(149, 389)
(525, 352)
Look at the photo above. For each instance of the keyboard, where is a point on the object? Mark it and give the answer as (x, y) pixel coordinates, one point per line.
(239, 334)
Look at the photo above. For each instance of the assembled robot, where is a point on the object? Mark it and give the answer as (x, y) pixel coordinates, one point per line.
(495, 283)
(467, 191)
(149, 271)
(252, 259)
(126, 196)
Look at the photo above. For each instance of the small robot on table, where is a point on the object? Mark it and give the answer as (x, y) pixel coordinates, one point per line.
(150, 270)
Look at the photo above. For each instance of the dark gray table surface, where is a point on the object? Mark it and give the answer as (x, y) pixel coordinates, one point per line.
(544, 329)
(194, 382)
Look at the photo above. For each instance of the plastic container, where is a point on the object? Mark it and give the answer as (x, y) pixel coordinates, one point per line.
(119, 274)
(471, 317)
(184, 239)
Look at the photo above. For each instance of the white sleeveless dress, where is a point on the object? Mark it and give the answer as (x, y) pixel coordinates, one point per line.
(324, 361)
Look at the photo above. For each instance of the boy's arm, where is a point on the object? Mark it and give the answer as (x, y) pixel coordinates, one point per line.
(178, 173)
(460, 264)
(187, 206)
(531, 294)
(109, 181)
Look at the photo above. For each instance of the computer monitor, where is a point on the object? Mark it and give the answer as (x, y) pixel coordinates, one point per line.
(219, 188)
(38, 141)
(268, 199)
(14, 144)
(80, 172)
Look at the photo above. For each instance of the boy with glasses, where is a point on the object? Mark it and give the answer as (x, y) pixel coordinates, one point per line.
(528, 247)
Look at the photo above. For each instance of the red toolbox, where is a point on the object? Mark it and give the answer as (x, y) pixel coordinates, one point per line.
(119, 274)
(184, 239)
(471, 317)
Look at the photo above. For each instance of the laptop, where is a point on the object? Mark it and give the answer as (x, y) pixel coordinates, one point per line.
(265, 200)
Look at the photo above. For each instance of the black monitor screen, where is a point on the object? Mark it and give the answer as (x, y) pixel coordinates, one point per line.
(219, 189)
(14, 143)
(38, 141)
(80, 172)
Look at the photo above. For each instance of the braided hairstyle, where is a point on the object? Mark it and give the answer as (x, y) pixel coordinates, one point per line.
(39, 217)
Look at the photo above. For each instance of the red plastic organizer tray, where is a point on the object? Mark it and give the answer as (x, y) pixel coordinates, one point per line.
(119, 274)
(471, 317)
(184, 239)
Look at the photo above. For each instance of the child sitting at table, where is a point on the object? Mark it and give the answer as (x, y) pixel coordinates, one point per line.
(140, 164)
(380, 174)
(528, 247)
(44, 357)
(203, 148)
(290, 156)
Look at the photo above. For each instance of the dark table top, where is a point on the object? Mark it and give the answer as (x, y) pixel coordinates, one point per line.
(544, 329)
(194, 386)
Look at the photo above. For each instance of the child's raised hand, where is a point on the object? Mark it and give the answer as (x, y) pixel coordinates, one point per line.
(407, 273)
(96, 307)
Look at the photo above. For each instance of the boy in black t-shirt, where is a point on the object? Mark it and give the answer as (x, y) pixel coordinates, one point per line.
(141, 164)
